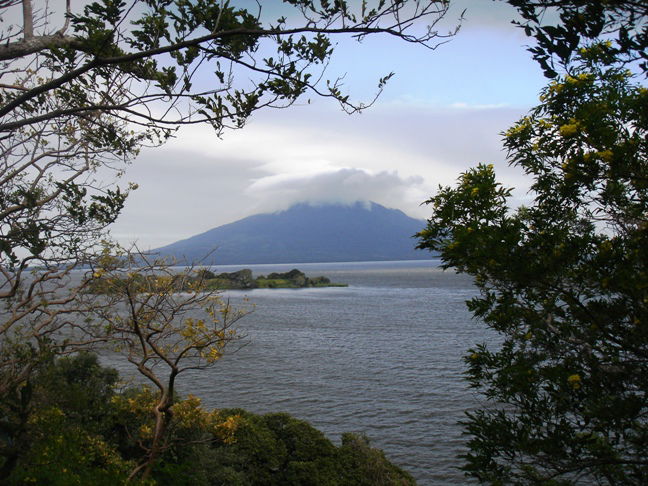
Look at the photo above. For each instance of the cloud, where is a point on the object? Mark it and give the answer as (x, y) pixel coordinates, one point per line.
(346, 185)
(395, 154)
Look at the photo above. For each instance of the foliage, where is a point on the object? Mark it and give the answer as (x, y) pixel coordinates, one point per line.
(276, 449)
(71, 444)
(564, 281)
(207, 280)
(622, 22)
(68, 435)
(366, 466)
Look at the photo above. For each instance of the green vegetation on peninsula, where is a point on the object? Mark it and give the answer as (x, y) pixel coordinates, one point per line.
(208, 281)
(243, 279)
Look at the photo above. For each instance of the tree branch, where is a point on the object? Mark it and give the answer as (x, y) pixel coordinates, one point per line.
(28, 20)
(137, 56)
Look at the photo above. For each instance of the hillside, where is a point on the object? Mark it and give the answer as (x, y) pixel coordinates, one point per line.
(305, 234)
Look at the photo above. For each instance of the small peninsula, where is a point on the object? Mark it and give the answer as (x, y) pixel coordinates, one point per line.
(209, 281)
(243, 280)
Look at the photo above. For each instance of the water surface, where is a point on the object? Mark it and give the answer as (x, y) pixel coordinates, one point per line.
(381, 357)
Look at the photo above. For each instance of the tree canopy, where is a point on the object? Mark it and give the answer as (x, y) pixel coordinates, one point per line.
(563, 280)
(84, 430)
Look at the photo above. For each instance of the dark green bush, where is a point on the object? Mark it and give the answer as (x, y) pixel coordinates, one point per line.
(80, 430)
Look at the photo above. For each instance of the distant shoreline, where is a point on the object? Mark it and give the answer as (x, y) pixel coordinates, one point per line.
(261, 268)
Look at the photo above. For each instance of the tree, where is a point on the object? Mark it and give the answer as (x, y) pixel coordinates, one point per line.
(82, 91)
(70, 436)
(564, 281)
(166, 323)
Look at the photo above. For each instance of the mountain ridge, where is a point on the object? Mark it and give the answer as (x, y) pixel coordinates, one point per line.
(305, 233)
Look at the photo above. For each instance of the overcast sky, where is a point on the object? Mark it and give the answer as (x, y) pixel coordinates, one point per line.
(442, 113)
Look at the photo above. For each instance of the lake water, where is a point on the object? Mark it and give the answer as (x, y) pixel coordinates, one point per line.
(381, 357)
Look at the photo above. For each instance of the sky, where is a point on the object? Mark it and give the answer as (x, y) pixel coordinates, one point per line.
(442, 113)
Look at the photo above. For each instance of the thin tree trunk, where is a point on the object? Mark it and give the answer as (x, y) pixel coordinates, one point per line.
(163, 416)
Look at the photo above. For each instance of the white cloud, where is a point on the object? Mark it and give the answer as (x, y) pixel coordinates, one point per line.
(346, 185)
(395, 155)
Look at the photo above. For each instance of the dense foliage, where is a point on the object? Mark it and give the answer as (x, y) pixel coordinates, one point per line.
(564, 280)
(84, 430)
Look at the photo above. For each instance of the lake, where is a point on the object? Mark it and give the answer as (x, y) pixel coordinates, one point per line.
(382, 357)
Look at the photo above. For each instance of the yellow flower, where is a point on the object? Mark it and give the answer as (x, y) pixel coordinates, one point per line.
(519, 127)
(574, 381)
(569, 129)
(606, 155)
(545, 123)
(227, 429)
(146, 431)
(579, 77)
(214, 355)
